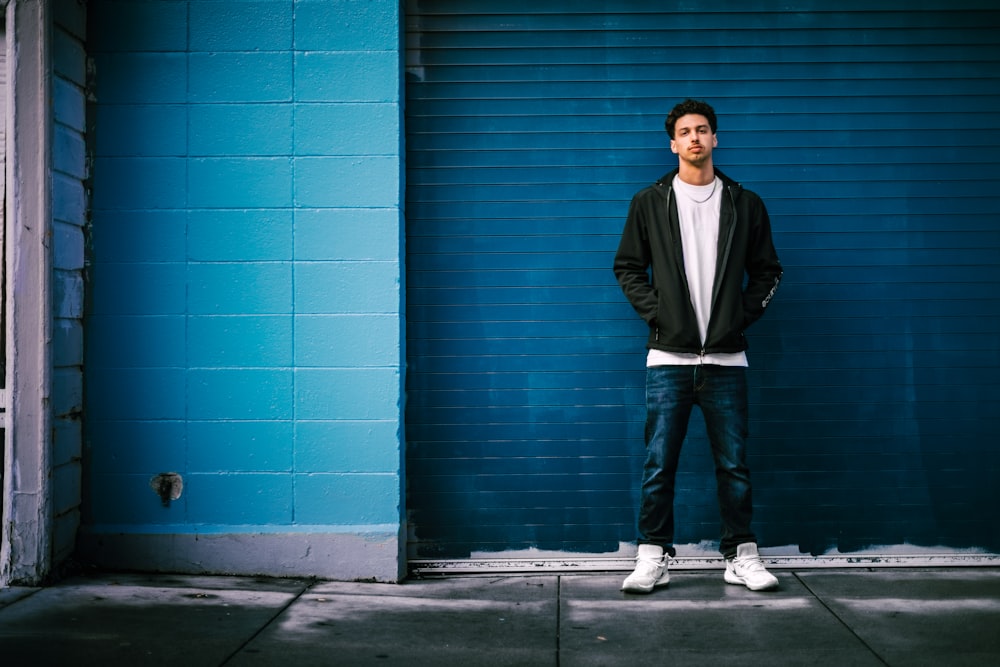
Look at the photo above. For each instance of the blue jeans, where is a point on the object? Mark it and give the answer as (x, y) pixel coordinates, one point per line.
(671, 393)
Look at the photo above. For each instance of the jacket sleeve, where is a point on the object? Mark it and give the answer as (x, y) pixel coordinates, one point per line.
(762, 266)
(631, 264)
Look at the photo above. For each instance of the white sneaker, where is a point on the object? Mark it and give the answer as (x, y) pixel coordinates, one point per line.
(650, 570)
(748, 569)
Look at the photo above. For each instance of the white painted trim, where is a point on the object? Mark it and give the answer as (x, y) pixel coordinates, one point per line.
(4, 96)
(25, 548)
(369, 556)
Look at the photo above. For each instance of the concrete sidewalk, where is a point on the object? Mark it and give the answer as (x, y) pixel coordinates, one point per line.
(818, 617)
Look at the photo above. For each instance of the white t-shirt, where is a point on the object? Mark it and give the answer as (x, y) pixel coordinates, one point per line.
(698, 208)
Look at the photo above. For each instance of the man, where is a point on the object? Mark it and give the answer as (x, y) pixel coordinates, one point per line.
(697, 263)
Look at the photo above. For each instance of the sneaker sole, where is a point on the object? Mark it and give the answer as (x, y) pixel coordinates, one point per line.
(737, 581)
(643, 589)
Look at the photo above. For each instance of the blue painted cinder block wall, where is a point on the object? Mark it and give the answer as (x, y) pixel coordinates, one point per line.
(69, 216)
(244, 300)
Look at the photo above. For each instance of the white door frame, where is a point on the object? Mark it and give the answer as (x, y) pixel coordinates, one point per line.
(25, 538)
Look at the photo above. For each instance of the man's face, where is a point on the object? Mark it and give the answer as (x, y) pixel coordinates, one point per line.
(693, 139)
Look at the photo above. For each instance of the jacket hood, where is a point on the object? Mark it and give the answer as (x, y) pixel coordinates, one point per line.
(665, 183)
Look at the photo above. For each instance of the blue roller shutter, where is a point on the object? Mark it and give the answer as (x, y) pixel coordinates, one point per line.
(872, 134)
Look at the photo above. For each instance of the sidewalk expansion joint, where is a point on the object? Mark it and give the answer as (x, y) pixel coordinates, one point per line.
(840, 620)
(264, 626)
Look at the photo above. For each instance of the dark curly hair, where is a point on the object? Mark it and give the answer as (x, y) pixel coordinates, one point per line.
(691, 107)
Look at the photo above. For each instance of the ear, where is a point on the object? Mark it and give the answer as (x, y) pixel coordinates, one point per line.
(673, 146)
(715, 140)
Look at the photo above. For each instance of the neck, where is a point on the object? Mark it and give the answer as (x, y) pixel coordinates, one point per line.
(697, 175)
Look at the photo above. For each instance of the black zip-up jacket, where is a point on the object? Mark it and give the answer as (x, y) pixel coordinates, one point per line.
(649, 266)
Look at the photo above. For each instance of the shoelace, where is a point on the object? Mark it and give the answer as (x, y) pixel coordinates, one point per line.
(750, 563)
(651, 564)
